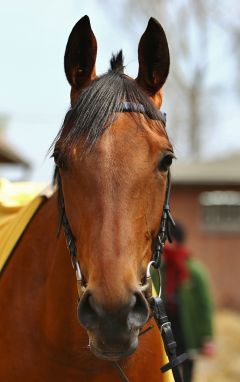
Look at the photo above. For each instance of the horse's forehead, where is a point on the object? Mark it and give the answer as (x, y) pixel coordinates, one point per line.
(130, 135)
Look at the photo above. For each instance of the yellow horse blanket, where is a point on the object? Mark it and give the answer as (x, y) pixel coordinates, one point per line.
(18, 203)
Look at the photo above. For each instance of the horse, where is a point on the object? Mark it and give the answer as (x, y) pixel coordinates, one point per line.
(112, 156)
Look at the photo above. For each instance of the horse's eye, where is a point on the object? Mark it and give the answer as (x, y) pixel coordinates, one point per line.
(165, 162)
(58, 159)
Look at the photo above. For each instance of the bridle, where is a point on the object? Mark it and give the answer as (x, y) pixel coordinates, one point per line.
(158, 247)
(163, 234)
(159, 243)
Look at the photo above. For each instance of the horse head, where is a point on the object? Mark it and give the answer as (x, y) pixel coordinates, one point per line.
(112, 156)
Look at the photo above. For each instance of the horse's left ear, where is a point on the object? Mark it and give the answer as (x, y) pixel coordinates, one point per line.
(80, 56)
(154, 60)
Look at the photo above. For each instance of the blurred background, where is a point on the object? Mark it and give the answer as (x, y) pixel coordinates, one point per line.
(201, 100)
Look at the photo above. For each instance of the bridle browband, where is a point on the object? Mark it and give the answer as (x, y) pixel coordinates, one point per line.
(158, 246)
(132, 107)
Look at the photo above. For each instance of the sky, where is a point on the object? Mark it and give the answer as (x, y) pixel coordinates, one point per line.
(34, 93)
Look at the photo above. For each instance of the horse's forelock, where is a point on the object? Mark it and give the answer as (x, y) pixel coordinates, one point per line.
(116, 62)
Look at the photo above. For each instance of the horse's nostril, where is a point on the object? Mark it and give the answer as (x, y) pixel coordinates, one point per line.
(86, 311)
(133, 301)
(139, 312)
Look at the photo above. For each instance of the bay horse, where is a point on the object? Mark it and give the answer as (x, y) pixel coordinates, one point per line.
(112, 157)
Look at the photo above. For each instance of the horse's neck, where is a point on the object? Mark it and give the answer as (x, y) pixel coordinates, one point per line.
(41, 268)
(60, 292)
(60, 322)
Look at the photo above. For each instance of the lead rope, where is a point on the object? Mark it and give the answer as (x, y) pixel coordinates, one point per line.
(120, 371)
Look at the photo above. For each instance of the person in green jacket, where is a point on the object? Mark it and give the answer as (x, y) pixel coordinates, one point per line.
(188, 302)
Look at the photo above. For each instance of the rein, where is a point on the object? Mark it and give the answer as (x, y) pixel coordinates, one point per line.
(155, 303)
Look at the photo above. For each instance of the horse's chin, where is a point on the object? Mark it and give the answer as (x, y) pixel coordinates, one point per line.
(110, 354)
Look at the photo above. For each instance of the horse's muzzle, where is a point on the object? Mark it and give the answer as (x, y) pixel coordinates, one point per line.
(102, 351)
(113, 334)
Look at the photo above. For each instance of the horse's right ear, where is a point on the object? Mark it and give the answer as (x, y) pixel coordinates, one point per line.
(80, 56)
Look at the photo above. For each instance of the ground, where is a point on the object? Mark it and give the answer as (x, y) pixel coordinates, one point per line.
(225, 366)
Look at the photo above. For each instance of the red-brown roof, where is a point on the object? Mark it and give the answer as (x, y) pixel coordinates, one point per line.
(9, 156)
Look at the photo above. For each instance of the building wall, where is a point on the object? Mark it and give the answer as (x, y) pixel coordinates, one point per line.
(219, 252)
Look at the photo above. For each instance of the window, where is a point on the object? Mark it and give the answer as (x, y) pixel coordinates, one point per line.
(220, 211)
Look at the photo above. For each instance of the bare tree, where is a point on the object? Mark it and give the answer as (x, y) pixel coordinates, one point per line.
(189, 28)
(226, 15)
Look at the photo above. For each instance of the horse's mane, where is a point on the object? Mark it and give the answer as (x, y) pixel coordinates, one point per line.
(97, 105)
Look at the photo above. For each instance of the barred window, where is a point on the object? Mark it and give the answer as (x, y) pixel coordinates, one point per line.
(220, 211)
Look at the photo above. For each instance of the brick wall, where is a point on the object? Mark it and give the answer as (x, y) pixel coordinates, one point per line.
(219, 252)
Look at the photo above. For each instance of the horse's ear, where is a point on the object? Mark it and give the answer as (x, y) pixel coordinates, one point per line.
(80, 55)
(153, 58)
